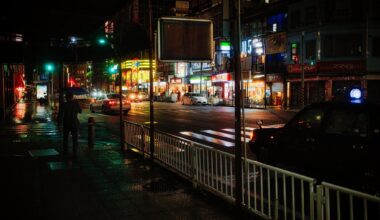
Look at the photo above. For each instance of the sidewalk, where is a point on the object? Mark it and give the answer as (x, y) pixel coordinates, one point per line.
(102, 184)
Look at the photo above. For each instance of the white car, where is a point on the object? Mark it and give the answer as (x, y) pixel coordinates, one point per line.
(110, 103)
(191, 98)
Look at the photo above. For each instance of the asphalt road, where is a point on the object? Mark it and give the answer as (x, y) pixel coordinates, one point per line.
(209, 125)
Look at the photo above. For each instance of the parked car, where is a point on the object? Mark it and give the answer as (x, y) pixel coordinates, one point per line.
(191, 98)
(331, 141)
(110, 103)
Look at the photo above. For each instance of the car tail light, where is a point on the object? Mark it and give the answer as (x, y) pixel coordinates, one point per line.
(111, 102)
(253, 136)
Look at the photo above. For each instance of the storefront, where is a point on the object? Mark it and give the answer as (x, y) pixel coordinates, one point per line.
(223, 85)
(254, 91)
(136, 74)
(201, 85)
(176, 84)
(274, 89)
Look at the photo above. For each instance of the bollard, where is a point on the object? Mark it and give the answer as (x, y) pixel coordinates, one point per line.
(91, 132)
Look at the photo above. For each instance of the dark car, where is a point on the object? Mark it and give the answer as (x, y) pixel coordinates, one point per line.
(331, 141)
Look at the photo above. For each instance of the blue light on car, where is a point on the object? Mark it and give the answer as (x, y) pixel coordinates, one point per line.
(355, 94)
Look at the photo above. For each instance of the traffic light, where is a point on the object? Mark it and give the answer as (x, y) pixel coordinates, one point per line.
(102, 41)
(112, 69)
(49, 67)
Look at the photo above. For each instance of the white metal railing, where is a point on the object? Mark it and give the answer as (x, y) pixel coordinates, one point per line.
(336, 202)
(268, 191)
(276, 193)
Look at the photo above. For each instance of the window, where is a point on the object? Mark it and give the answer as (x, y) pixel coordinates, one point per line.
(311, 15)
(339, 46)
(347, 122)
(295, 19)
(309, 120)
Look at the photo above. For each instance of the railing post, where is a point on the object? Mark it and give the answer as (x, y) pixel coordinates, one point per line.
(194, 165)
(320, 202)
(143, 141)
(91, 132)
(125, 136)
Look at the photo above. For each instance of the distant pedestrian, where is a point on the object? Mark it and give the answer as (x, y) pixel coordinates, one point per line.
(178, 96)
(68, 114)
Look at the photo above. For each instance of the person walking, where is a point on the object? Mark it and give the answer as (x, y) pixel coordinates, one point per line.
(68, 114)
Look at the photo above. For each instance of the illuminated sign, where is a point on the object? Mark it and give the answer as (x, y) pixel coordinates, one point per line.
(180, 69)
(246, 46)
(225, 45)
(197, 79)
(197, 66)
(223, 77)
(141, 64)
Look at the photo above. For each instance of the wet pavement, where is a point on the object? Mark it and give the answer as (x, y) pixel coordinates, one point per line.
(102, 183)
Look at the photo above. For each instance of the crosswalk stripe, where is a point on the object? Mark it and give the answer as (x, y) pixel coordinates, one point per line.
(221, 134)
(208, 139)
(247, 131)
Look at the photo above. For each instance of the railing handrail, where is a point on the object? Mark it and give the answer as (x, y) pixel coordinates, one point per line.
(286, 172)
(351, 191)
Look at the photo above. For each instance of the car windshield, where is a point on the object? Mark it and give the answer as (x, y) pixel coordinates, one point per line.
(194, 94)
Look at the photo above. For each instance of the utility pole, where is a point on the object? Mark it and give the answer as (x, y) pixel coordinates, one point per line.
(302, 72)
(200, 80)
(151, 107)
(234, 7)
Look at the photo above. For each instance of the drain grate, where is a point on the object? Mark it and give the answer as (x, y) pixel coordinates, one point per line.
(160, 185)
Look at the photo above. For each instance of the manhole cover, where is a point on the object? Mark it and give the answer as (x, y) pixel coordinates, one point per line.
(160, 185)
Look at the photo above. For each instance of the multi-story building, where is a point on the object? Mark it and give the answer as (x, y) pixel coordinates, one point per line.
(12, 71)
(337, 44)
(264, 26)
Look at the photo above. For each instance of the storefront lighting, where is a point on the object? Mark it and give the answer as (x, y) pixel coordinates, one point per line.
(258, 76)
(259, 51)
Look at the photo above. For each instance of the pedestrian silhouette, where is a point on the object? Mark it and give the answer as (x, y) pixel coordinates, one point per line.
(68, 114)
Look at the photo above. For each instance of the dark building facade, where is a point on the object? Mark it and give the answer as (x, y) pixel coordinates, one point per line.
(337, 44)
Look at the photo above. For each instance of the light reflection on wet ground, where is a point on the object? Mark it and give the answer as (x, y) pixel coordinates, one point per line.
(26, 120)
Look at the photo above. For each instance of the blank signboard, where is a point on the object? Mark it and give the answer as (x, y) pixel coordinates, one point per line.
(181, 39)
